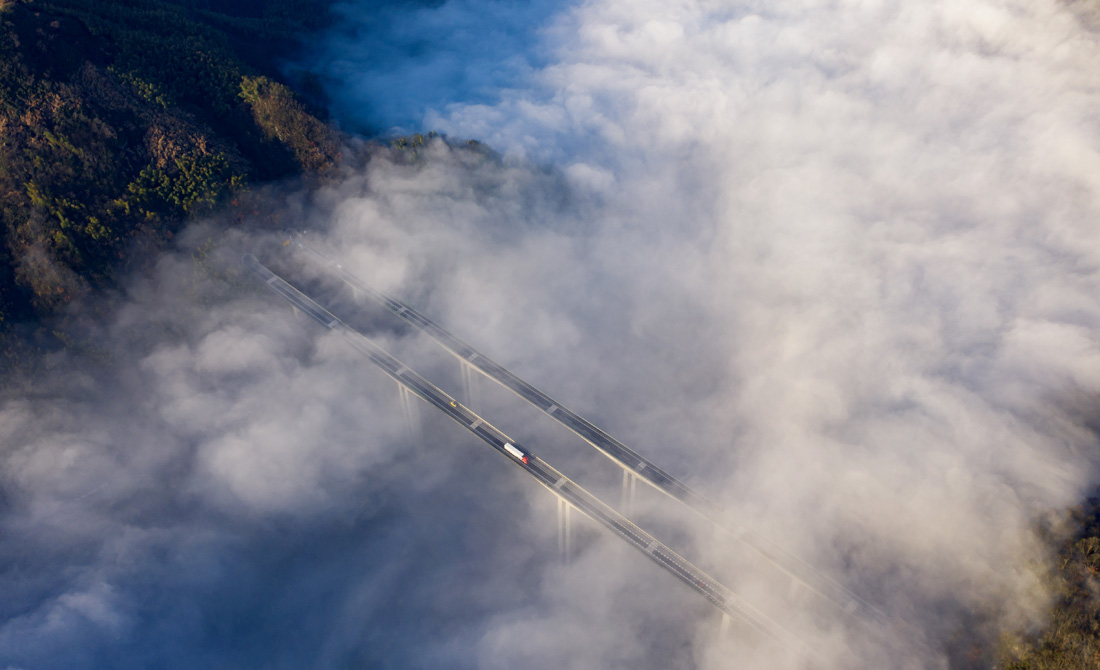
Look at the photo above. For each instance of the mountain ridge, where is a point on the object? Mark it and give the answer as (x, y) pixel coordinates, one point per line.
(102, 145)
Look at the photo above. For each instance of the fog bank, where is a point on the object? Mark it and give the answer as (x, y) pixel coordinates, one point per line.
(834, 264)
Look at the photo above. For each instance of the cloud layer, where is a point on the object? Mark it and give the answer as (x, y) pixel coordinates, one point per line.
(853, 244)
(833, 263)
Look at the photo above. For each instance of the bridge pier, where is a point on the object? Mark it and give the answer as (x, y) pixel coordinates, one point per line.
(412, 415)
(470, 386)
(724, 627)
(565, 530)
(794, 590)
(630, 482)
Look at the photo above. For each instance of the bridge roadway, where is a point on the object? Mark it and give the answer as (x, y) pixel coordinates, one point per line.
(627, 458)
(720, 596)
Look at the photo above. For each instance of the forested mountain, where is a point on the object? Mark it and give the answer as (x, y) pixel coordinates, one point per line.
(118, 119)
(1071, 638)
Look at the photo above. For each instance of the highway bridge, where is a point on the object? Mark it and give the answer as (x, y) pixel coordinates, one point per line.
(626, 458)
(566, 489)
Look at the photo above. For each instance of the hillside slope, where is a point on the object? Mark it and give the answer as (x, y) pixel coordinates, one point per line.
(120, 118)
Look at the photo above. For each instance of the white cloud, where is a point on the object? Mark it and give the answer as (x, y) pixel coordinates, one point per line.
(867, 230)
(834, 263)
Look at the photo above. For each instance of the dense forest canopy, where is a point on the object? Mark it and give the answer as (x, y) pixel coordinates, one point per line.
(104, 148)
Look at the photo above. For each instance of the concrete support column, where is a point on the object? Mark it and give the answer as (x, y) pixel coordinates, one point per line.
(412, 415)
(794, 590)
(470, 386)
(630, 482)
(724, 627)
(565, 530)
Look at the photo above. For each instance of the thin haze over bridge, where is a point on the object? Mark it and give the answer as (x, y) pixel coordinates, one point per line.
(633, 464)
(569, 492)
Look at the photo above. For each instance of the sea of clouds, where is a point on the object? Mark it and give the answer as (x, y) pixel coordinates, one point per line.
(835, 264)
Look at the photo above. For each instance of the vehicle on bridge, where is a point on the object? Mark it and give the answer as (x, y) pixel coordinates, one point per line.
(517, 452)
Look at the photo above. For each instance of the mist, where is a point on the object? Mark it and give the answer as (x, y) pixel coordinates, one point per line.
(832, 264)
(421, 55)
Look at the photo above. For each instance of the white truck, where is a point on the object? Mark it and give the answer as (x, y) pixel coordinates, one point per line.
(516, 452)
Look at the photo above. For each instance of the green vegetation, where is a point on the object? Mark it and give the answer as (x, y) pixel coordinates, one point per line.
(1072, 637)
(118, 118)
(412, 142)
(196, 180)
(281, 117)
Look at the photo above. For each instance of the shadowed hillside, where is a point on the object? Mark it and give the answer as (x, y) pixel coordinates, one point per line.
(1071, 638)
(118, 119)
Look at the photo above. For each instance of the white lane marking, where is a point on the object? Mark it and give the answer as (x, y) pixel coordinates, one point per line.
(558, 483)
(402, 310)
(475, 424)
(652, 545)
(472, 356)
(640, 467)
(402, 371)
(552, 409)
